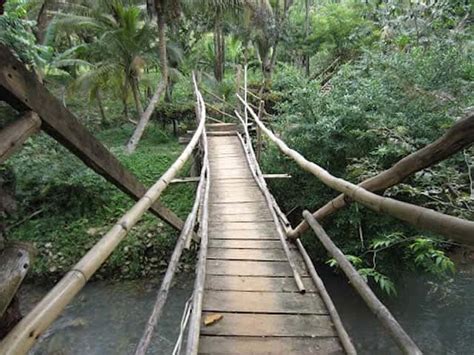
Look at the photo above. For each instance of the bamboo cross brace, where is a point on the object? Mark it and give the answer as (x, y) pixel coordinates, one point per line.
(456, 228)
(403, 340)
(29, 329)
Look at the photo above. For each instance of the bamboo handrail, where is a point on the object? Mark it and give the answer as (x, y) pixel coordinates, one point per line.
(29, 329)
(456, 228)
(198, 294)
(16, 133)
(281, 233)
(336, 319)
(458, 137)
(403, 340)
(183, 240)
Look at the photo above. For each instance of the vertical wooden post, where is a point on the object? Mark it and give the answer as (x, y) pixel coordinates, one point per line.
(258, 152)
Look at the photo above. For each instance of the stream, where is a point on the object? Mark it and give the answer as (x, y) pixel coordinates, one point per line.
(109, 318)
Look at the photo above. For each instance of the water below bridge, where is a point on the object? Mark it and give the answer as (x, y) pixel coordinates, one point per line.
(108, 318)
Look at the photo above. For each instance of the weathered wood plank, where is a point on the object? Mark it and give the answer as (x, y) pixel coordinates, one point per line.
(246, 254)
(266, 325)
(62, 125)
(269, 345)
(242, 234)
(260, 216)
(259, 284)
(16, 133)
(249, 268)
(245, 244)
(242, 226)
(237, 208)
(263, 302)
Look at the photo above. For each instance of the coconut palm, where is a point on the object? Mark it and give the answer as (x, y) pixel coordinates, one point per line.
(117, 45)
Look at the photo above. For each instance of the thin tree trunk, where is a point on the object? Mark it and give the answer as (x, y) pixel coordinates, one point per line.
(306, 58)
(101, 108)
(219, 47)
(136, 96)
(145, 117)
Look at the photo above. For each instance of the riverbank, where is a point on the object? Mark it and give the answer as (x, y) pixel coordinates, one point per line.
(64, 208)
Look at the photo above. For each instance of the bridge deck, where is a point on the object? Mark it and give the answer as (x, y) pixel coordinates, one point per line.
(249, 280)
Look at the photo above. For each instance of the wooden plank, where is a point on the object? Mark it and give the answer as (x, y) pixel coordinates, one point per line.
(263, 302)
(62, 125)
(245, 244)
(259, 284)
(276, 325)
(250, 268)
(237, 208)
(260, 216)
(246, 254)
(269, 345)
(16, 133)
(243, 226)
(242, 234)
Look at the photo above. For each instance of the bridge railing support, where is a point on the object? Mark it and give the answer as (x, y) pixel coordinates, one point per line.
(403, 340)
(30, 328)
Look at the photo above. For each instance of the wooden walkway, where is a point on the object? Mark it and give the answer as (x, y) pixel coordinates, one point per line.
(248, 278)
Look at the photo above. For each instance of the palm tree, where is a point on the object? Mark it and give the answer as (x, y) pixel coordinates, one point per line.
(118, 44)
(163, 10)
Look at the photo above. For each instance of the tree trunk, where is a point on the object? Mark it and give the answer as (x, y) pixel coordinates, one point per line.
(145, 117)
(136, 96)
(306, 58)
(42, 21)
(219, 47)
(101, 108)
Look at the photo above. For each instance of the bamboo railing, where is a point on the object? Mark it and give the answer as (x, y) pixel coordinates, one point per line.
(424, 218)
(29, 329)
(198, 294)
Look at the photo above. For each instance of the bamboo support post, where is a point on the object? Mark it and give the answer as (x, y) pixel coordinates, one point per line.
(198, 294)
(271, 203)
(458, 137)
(258, 153)
(456, 228)
(336, 319)
(403, 340)
(16, 133)
(24, 335)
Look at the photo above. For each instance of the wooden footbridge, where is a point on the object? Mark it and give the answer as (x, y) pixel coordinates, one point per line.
(256, 289)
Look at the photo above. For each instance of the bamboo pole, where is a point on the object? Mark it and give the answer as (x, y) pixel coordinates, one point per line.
(456, 228)
(258, 153)
(16, 133)
(403, 340)
(257, 175)
(336, 319)
(198, 294)
(24, 335)
(458, 137)
(184, 239)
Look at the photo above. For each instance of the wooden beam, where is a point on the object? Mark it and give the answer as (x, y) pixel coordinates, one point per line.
(16, 133)
(60, 123)
(16, 261)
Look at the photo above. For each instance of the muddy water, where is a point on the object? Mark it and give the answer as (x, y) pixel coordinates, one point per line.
(108, 318)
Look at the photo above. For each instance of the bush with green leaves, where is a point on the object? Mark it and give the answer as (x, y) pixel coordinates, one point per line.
(377, 110)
